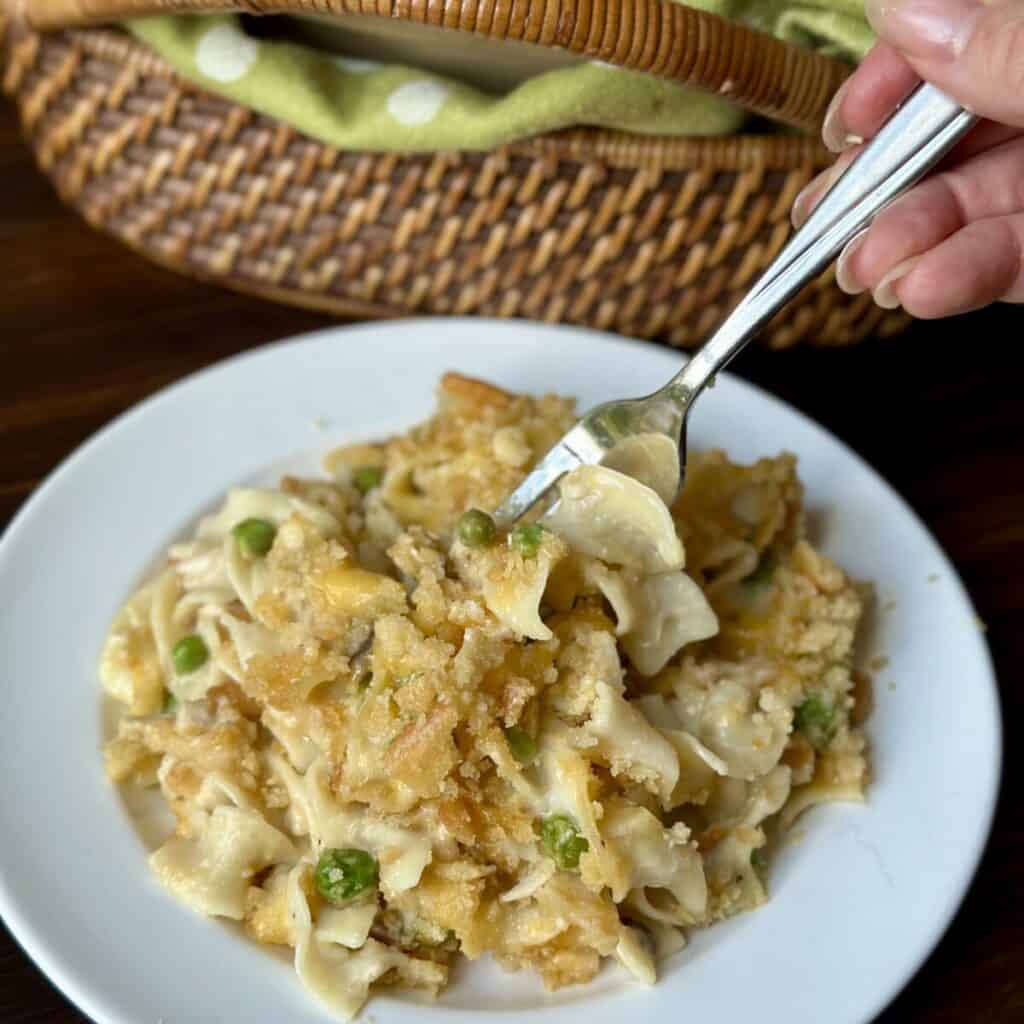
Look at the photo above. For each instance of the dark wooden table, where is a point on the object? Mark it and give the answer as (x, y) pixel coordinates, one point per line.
(87, 329)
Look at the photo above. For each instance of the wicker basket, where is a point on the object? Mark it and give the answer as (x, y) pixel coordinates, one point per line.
(652, 237)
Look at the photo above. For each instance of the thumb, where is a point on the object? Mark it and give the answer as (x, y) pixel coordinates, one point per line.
(973, 51)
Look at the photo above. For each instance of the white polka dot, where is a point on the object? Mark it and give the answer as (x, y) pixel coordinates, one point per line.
(417, 102)
(357, 64)
(225, 53)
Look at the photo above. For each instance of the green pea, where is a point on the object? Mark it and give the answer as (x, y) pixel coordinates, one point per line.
(815, 718)
(188, 654)
(476, 528)
(255, 536)
(170, 703)
(366, 478)
(621, 419)
(758, 859)
(526, 539)
(561, 839)
(343, 874)
(521, 743)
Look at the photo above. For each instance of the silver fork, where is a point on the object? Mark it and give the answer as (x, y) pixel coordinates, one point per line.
(917, 136)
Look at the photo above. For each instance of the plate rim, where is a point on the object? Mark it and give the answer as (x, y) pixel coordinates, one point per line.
(88, 996)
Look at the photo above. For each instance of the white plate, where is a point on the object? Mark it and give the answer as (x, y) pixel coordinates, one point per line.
(856, 905)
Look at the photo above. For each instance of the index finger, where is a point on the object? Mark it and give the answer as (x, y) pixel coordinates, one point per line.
(867, 98)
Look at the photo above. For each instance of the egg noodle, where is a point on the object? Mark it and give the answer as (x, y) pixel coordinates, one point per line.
(390, 733)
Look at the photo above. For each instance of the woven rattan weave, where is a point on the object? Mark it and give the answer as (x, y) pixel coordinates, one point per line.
(653, 237)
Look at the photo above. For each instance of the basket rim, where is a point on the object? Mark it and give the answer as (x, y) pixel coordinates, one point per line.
(665, 38)
(747, 152)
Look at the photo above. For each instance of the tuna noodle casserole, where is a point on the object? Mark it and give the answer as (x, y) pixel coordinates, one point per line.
(390, 733)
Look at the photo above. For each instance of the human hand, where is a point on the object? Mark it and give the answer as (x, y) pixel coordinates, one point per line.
(955, 242)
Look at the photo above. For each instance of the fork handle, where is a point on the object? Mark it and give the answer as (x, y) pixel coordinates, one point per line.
(914, 139)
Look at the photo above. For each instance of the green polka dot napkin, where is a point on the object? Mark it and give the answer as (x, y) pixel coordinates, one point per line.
(360, 104)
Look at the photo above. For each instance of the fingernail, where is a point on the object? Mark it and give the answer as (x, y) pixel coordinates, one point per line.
(812, 193)
(834, 132)
(803, 203)
(844, 278)
(929, 29)
(885, 291)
